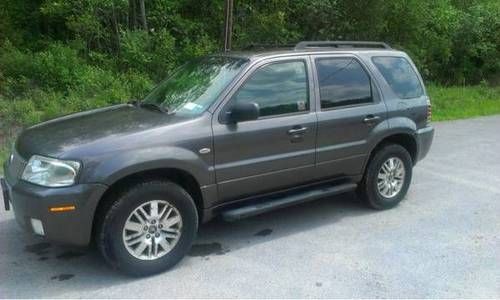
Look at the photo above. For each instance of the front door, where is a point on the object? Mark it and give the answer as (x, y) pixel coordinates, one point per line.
(278, 149)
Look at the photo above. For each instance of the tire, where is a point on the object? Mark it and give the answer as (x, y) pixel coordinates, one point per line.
(170, 199)
(369, 190)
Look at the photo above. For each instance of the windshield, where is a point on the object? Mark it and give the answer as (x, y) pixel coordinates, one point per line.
(195, 85)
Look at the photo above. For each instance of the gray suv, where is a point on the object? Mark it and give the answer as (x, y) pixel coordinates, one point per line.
(230, 135)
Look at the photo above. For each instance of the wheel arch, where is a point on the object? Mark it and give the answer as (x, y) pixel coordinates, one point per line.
(405, 139)
(178, 176)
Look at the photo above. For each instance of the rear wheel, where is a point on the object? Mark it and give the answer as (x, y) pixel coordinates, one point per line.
(149, 228)
(387, 177)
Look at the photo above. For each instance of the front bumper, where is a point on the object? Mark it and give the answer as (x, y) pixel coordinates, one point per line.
(74, 227)
(424, 140)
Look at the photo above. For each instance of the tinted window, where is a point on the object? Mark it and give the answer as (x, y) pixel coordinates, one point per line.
(278, 88)
(342, 81)
(400, 75)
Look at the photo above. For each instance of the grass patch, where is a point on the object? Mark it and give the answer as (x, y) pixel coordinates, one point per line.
(448, 103)
(451, 103)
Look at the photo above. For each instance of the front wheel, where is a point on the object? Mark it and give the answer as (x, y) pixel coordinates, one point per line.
(149, 228)
(387, 177)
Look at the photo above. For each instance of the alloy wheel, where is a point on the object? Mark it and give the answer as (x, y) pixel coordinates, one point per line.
(390, 178)
(152, 230)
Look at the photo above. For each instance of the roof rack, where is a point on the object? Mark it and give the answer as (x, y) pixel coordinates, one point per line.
(340, 44)
(266, 46)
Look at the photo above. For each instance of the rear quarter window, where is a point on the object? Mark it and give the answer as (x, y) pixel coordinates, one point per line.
(400, 76)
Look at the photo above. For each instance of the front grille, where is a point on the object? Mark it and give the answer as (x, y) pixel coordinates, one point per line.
(16, 166)
(429, 111)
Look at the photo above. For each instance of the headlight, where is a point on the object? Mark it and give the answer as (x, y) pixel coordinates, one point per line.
(50, 172)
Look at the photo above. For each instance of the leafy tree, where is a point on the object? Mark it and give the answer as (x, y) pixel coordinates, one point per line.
(452, 41)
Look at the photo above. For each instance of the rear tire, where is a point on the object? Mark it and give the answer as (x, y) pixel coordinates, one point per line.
(387, 177)
(166, 230)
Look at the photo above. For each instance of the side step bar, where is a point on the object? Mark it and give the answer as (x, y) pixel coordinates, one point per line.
(264, 205)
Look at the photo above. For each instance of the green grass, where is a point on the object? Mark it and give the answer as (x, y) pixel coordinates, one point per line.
(451, 103)
(448, 103)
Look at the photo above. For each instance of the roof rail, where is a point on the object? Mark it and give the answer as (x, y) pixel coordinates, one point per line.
(266, 46)
(340, 44)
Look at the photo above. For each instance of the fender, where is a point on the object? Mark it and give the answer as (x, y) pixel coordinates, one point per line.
(397, 125)
(113, 166)
(392, 126)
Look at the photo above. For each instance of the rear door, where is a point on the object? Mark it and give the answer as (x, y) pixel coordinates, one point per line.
(350, 110)
(278, 149)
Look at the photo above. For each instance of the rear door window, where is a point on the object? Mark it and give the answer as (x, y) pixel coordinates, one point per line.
(342, 81)
(400, 76)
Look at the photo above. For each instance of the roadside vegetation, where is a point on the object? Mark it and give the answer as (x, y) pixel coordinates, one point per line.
(450, 103)
(58, 57)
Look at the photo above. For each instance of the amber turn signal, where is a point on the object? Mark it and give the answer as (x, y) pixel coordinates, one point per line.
(62, 208)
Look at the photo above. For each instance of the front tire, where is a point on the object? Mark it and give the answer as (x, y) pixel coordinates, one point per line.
(149, 228)
(387, 177)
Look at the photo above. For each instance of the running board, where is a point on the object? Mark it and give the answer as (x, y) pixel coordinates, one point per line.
(266, 205)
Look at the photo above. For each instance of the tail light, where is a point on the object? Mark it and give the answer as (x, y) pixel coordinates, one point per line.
(429, 111)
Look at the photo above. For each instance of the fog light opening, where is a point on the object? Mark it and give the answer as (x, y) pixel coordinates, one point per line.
(37, 226)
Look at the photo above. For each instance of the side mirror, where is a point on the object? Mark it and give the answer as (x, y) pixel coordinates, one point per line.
(245, 111)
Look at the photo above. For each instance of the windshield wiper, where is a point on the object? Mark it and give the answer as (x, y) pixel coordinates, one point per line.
(134, 102)
(154, 106)
(148, 105)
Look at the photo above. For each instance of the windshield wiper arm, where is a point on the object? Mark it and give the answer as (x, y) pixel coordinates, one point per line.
(153, 106)
(133, 102)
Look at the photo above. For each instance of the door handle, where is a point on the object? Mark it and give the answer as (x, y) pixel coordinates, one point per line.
(371, 119)
(298, 130)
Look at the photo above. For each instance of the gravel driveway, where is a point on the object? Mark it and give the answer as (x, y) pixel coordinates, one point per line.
(442, 241)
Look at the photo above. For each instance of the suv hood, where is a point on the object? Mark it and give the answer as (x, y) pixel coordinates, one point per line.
(112, 126)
